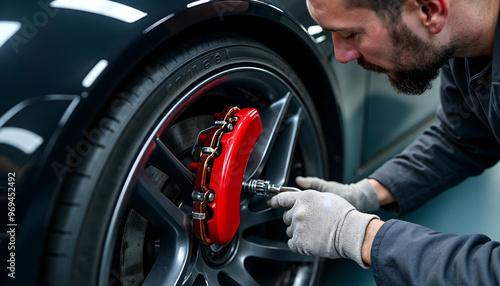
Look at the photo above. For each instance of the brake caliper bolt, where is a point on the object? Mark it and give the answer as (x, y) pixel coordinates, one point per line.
(211, 197)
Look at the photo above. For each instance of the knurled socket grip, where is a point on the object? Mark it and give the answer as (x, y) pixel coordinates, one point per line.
(265, 188)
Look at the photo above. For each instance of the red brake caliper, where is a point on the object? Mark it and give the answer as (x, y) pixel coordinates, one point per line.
(219, 173)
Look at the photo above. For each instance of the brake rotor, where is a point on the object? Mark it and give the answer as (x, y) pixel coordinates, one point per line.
(225, 151)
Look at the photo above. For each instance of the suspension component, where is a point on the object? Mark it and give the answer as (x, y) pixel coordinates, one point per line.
(224, 155)
(265, 188)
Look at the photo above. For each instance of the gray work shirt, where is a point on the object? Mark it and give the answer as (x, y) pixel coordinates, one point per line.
(464, 142)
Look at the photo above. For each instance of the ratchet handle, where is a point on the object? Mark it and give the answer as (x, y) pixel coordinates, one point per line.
(265, 188)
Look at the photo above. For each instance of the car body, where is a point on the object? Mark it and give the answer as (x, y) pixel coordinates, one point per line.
(63, 61)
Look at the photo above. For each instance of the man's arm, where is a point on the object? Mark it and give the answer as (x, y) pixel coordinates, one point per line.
(384, 196)
(403, 252)
(459, 145)
(366, 248)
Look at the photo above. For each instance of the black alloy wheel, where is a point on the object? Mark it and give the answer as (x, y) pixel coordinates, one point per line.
(124, 216)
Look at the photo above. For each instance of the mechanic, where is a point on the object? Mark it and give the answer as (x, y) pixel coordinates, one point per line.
(410, 41)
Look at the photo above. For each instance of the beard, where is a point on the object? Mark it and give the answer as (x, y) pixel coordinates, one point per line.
(417, 63)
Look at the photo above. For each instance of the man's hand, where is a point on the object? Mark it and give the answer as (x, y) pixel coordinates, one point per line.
(361, 195)
(323, 224)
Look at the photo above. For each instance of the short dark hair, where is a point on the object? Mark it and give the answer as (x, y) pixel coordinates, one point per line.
(388, 10)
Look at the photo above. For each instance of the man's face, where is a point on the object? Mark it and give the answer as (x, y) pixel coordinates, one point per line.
(409, 62)
(416, 62)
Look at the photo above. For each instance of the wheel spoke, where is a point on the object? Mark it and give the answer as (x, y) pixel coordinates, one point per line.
(270, 250)
(280, 160)
(156, 208)
(173, 226)
(169, 267)
(259, 217)
(238, 273)
(211, 276)
(271, 120)
(191, 278)
(165, 161)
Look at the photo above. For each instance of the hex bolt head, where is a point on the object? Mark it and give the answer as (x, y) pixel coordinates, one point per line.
(211, 197)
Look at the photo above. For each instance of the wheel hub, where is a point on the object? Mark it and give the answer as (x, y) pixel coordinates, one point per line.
(217, 255)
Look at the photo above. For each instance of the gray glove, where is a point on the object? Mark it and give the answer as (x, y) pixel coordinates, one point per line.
(361, 194)
(323, 224)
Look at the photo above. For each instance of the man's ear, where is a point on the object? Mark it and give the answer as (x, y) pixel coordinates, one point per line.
(433, 14)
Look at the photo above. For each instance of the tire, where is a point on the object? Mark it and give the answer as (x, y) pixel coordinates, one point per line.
(123, 217)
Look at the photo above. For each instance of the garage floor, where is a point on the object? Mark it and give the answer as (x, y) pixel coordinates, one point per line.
(471, 207)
